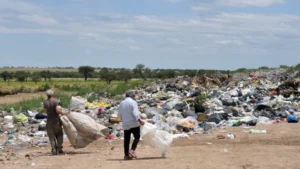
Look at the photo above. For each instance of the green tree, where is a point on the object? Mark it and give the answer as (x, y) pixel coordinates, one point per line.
(86, 71)
(241, 70)
(21, 76)
(6, 75)
(125, 75)
(161, 74)
(139, 71)
(170, 73)
(148, 73)
(297, 67)
(284, 66)
(264, 67)
(46, 74)
(35, 77)
(108, 75)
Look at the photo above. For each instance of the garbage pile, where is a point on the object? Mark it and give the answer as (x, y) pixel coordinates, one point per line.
(24, 129)
(180, 107)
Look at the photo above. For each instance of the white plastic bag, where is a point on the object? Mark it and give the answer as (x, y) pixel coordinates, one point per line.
(217, 102)
(264, 120)
(10, 125)
(77, 103)
(189, 122)
(24, 138)
(42, 124)
(234, 92)
(31, 114)
(40, 134)
(8, 119)
(156, 138)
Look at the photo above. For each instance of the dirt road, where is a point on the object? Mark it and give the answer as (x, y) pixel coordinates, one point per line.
(277, 149)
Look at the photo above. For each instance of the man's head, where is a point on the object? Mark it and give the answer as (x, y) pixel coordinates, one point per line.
(50, 93)
(130, 93)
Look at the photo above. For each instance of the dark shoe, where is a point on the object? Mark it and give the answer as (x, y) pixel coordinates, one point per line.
(127, 158)
(54, 152)
(60, 151)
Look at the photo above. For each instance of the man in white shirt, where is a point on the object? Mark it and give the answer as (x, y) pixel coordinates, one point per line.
(130, 116)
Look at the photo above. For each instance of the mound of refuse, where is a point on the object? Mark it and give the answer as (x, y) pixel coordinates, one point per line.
(173, 108)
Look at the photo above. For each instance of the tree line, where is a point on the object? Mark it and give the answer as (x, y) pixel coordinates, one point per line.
(106, 74)
(111, 74)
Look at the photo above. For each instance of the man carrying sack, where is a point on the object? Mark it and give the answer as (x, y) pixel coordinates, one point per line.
(54, 126)
(130, 117)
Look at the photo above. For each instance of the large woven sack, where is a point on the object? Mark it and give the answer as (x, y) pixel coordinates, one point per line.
(82, 129)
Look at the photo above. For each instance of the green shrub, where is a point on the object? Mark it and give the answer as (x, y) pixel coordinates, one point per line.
(44, 87)
(92, 97)
(64, 99)
(297, 67)
(4, 93)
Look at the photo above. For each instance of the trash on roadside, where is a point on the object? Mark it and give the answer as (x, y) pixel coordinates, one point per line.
(258, 131)
(230, 136)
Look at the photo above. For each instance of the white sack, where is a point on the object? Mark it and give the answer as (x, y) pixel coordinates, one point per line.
(82, 129)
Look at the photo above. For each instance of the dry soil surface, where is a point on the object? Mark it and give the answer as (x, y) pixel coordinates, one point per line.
(279, 148)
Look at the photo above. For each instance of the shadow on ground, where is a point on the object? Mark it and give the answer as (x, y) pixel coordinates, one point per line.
(66, 153)
(138, 159)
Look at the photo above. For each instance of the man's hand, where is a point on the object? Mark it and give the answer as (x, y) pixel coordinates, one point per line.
(141, 122)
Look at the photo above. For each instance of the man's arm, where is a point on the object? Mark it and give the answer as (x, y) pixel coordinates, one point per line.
(120, 116)
(136, 114)
(58, 110)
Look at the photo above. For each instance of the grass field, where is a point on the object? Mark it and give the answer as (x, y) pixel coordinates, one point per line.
(64, 87)
(39, 69)
(64, 81)
(58, 81)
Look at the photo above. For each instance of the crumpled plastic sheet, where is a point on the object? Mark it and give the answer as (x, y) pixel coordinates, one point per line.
(156, 138)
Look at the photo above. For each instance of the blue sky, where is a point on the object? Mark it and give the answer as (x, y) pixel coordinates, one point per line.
(185, 34)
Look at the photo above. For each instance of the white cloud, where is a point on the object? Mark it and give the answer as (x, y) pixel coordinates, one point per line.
(175, 1)
(229, 42)
(204, 33)
(176, 41)
(87, 51)
(126, 41)
(18, 6)
(38, 19)
(200, 8)
(245, 3)
(134, 48)
(5, 30)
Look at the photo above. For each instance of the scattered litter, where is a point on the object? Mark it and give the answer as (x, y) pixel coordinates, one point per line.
(220, 137)
(18, 148)
(258, 131)
(230, 136)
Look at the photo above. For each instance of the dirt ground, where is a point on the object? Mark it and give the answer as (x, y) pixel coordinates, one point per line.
(277, 149)
(11, 99)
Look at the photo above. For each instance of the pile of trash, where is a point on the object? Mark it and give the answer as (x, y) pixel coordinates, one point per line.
(23, 129)
(182, 106)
